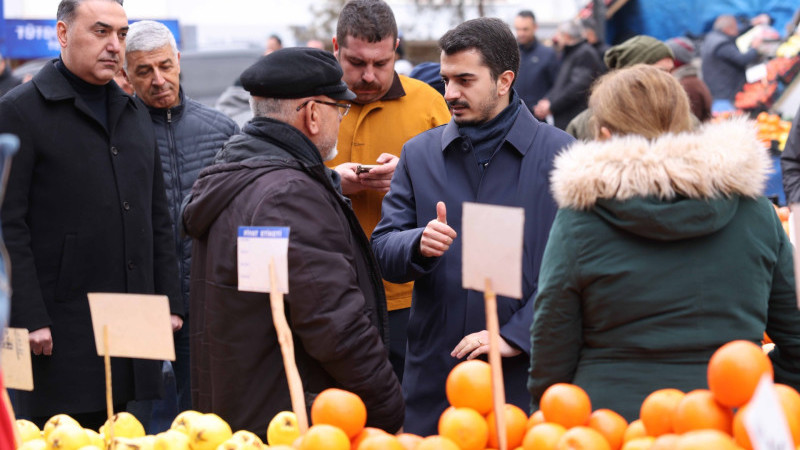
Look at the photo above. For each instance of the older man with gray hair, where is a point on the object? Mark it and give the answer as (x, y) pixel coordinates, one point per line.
(188, 135)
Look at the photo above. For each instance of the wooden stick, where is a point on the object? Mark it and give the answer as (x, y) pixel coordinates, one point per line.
(498, 388)
(107, 361)
(12, 418)
(287, 350)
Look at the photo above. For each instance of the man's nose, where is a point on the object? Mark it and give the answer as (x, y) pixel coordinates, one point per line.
(368, 75)
(158, 78)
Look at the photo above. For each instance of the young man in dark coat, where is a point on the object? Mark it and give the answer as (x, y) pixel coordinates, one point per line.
(492, 151)
(85, 211)
(272, 174)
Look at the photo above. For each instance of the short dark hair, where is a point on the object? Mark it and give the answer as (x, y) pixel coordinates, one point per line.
(493, 40)
(277, 38)
(66, 9)
(370, 20)
(528, 14)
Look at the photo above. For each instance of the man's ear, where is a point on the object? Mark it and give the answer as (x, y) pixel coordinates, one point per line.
(312, 119)
(603, 134)
(504, 82)
(61, 33)
(125, 74)
(335, 48)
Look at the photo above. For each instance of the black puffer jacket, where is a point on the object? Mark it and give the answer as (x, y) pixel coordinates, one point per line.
(272, 175)
(570, 92)
(188, 136)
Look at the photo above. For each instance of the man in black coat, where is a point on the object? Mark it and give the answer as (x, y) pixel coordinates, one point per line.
(85, 211)
(580, 65)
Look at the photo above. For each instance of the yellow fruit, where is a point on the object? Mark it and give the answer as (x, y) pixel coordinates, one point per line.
(95, 438)
(91, 447)
(171, 440)
(184, 420)
(249, 439)
(55, 421)
(33, 444)
(208, 431)
(231, 444)
(28, 430)
(282, 429)
(124, 425)
(67, 437)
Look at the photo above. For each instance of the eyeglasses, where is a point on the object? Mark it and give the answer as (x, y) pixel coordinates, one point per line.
(344, 108)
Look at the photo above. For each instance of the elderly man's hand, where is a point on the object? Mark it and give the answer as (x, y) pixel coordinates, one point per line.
(476, 344)
(41, 341)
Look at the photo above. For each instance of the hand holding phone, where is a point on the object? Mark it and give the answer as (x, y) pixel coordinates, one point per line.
(364, 168)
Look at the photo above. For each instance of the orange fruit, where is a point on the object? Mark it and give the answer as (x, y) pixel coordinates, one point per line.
(437, 443)
(739, 431)
(635, 430)
(515, 426)
(640, 443)
(665, 442)
(365, 433)
(566, 404)
(790, 402)
(341, 409)
(324, 437)
(698, 410)
(658, 409)
(465, 427)
(535, 419)
(383, 441)
(611, 425)
(409, 441)
(543, 436)
(582, 438)
(734, 371)
(705, 440)
(469, 385)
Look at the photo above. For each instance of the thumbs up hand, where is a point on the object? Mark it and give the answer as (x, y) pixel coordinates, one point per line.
(437, 236)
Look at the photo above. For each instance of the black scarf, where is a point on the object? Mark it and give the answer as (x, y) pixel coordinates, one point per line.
(487, 137)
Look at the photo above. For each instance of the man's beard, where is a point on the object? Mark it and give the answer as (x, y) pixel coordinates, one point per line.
(332, 152)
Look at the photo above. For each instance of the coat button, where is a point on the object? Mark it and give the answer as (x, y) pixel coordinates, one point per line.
(131, 265)
(126, 206)
(114, 151)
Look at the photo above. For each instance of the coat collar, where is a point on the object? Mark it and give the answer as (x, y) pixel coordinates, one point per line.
(520, 136)
(718, 160)
(54, 87)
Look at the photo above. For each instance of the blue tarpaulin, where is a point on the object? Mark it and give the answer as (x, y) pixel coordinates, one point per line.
(665, 19)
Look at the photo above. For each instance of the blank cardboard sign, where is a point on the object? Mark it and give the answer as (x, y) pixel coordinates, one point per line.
(492, 248)
(16, 359)
(139, 325)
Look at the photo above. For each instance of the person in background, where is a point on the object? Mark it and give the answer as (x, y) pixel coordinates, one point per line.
(389, 109)
(85, 211)
(790, 163)
(315, 43)
(272, 174)
(492, 151)
(723, 65)
(580, 65)
(189, 135)
(590, 27)
(538, 63)
(273, 43)
(429, 73)
(688, 75)
(123, 83)
(635, 291)
(636, 50)
(8, 80)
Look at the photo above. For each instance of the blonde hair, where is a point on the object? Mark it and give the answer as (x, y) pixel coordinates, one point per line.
(641, 100)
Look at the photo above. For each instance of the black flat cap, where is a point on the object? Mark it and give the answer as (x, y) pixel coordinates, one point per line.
(296, 72)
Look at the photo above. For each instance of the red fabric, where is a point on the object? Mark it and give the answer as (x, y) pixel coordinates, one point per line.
(6, 432)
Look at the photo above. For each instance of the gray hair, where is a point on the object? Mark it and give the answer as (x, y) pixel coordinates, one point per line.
(724, 21)
(274, 108)
(148, 35)
(66, 9)
(571, 28)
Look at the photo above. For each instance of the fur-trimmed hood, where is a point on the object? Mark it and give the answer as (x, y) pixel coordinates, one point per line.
(662, 186)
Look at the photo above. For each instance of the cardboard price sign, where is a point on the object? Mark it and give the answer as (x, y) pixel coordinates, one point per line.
(139, 325)
(16, 359)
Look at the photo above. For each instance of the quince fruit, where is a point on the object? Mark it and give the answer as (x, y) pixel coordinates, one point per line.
(184, 421)
(56, 421)
(249, 439)
(123, 425)
(33, 444)
(28, 430)
(67, 437)
(283, 429)
(208, 431)
(172, 439)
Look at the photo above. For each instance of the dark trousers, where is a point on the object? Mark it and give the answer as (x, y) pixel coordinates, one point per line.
(398, 325)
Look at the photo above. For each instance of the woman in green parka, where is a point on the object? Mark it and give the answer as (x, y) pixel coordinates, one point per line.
(663, 249)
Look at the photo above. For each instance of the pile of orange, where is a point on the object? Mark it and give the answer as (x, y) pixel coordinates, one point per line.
(772, 128)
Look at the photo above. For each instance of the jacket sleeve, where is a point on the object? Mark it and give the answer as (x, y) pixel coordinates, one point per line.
(165, 263)
(326, 309)
(783, 317)
(790, 163)
(28, 309)
(556, 334)
(395, 241)
(729, 52)
(576, 88)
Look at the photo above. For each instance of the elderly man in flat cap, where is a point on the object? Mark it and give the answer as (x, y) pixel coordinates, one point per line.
(273, 175)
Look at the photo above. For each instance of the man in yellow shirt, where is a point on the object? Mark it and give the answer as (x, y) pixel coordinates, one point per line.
(389, 110)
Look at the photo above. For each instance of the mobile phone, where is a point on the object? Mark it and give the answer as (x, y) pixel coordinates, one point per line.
(364, 168)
